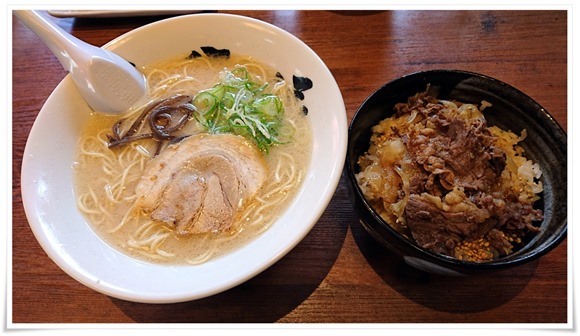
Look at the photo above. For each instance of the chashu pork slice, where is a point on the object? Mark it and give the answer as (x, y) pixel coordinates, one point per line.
(198, 184)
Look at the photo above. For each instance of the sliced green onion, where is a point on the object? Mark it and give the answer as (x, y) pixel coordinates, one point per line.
(242, 106)
(269, 105)
(205, 102)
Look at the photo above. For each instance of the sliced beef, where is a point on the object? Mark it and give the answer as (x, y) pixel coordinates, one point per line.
(456, 152)
(516, 216)
(198, 184)
(439, 227)
(456, 196)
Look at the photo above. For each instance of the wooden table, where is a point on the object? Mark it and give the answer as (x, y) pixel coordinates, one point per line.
(338, 273)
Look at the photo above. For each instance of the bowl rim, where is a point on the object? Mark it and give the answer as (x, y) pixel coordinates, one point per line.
(431, 256)
(325, 186)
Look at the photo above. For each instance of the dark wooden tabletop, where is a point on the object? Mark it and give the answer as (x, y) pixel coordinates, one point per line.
(337, 273)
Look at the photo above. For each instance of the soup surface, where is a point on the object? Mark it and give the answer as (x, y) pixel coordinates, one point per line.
(116, 155)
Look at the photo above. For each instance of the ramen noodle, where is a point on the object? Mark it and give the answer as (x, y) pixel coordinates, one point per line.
(213, 122)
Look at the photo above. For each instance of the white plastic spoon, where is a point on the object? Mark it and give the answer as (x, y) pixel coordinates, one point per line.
(109, 83)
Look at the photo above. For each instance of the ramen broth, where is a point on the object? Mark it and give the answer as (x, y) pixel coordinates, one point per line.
(106, 177)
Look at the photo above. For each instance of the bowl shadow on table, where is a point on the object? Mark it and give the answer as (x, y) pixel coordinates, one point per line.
(457, 294)
(270, 295)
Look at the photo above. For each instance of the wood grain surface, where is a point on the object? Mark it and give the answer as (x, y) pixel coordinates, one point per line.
(337, 274)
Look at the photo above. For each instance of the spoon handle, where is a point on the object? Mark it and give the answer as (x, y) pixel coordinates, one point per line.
(62, 44)
(107, 82)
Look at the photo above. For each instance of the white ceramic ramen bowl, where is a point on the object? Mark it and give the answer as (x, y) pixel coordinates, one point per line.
(47, 177)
